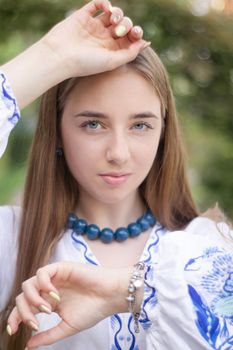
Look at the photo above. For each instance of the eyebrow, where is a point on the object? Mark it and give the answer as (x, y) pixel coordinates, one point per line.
(93, 114)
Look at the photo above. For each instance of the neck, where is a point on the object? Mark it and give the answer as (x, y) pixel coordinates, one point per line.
(111, 215)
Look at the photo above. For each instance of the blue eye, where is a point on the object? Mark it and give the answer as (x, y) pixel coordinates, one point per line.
(139, 126)
(142, 126)
(92, 124)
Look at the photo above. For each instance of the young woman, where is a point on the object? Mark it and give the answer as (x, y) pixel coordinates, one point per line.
(106, 188)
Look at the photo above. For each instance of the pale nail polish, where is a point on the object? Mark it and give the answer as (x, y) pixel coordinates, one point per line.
(8, 329)
(120, 31)
(110, 8)
(33, 325)
(55, 296)
(137, 30)
(44, 308)
(116, 19)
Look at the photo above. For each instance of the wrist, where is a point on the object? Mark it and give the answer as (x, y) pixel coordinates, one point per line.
(120, 294)
(55, 64)
(51, 47)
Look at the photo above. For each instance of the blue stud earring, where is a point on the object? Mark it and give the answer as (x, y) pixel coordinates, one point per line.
(59, 152)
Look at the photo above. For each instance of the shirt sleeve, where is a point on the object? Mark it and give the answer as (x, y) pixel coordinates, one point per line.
(9, 229)
(9, 112)
(188, 299)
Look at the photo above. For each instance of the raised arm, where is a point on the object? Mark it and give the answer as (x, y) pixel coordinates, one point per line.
(79, 45)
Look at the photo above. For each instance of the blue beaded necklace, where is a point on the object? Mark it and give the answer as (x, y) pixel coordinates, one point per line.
(107, 235)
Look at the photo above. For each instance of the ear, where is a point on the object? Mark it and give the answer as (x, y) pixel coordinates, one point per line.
(59, 142)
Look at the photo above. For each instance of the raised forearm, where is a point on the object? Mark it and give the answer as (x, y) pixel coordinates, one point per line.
(33, 72)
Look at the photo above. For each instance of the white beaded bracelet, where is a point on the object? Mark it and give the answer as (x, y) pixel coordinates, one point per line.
(136, 282)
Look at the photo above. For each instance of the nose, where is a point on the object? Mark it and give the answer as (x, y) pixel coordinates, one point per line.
(118, 148)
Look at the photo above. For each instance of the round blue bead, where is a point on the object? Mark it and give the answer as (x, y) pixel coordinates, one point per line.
(143, 223)
(134, 230)
(150, 218)
(80, 226)
(71, 220)
(92, 231)
(106, 235)
(121, 234)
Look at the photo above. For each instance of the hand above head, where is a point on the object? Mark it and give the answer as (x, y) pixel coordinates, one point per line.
(89, 45)
(94, 293)
(80, 45)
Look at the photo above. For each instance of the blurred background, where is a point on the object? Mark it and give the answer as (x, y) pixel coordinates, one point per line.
(194, 39)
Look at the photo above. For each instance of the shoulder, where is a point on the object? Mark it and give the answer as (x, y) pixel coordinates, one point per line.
(211, 233)
(202, 234)
(205, 226)
(10, 217)
(9, 211)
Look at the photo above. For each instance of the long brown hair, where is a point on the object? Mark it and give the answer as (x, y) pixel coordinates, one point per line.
(51, 192)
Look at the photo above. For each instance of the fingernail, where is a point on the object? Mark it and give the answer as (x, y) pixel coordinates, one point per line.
(120, 31)
(8, 329)
(44, 308)
(116, 19)
(55, 296)
(110, 8)
(148, 43)
(137, 30)
(33, 325)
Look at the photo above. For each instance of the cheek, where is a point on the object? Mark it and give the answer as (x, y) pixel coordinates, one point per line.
(76, 154)
(80, 154)
(148, 150)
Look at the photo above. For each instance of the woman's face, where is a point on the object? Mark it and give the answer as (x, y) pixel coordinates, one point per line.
(110, 130)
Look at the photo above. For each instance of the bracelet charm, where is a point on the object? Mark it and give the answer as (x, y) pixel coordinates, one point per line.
(136, 282)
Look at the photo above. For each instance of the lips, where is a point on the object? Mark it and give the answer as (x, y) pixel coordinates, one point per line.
(115, 178)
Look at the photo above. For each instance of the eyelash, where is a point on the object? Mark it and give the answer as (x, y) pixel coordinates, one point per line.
(88, 123)
(148, 126)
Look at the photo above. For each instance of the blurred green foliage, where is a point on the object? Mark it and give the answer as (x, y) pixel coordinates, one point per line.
(198, 53)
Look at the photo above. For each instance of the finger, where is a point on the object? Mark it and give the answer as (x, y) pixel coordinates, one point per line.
(96, 5)
(113, 19)
(123, 27)
(44, 276)
(52, 335)
(135, 33)
(128, 53)
(32, 295)
(26, 313)
(13, 321)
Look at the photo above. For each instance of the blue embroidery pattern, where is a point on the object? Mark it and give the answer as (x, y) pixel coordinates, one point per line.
(194, 264)
(116, 322)
(80, 245)
(151, 300)
(133, 345)
(8, 102)
(214, 319)
(152, 248)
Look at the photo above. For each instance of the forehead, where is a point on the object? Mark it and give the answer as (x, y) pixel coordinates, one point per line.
(121, 88)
